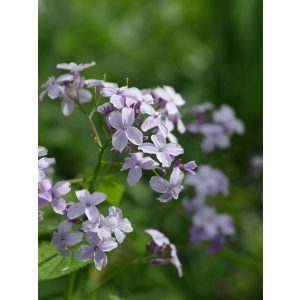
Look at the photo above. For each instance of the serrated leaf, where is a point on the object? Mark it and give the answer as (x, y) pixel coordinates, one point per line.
(113, 188)
(52, 265)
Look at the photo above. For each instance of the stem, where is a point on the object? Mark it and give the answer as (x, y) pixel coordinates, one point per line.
(69, 291)
(116, 272)
(98, 167)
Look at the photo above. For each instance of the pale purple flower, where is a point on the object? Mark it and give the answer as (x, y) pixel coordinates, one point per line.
(51, 88)
(173, 100)
(125, 131)
(40, 216)
(44, 162)
(161, 149)
(226, 117)
(75, 68)
(154, 120)
(121, 226)
(96, 250)
(169, 189)
(119, 96)
(99, 83)
(62, 239)
(101, 225)
(209, 181)
(136, 163)
(158, 237)
(210, 224)
(87, 205)
(58, 190)
(158, 246)
(188, 167)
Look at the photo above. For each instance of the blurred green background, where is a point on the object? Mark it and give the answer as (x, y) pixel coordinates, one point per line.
(208, 51)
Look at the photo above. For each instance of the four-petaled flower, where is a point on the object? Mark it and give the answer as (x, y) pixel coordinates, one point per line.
(125, 131)
(135, 163)
(87, 205)
(96, 250)
(163, 151)
(169, 189)
(62, 238)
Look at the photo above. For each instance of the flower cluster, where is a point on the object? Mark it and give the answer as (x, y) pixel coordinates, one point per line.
(48, 192)
(139, 122)
(102, 233)
(208, 224)
(158, 247)
(217, 126)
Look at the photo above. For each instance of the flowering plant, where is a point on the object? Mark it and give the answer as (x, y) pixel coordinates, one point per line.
(140, 128)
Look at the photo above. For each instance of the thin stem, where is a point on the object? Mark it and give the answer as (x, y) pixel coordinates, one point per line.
(116, 272)
(98, 167)
(155, 172)
(69, 291)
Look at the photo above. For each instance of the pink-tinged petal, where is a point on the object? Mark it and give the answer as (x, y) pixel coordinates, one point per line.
(100, 260)
(164, 158)
(158, 140)
(134, 135)
(97, 198)
(64, 227)
(61, 188)
(148, 148)
(148, 163)
(107, 245)
(53, 91)
(74, 238)
(171, 108)
(83, 195)
(92, 213)
(159, 184)
(115, 120)
(134, 175)
(176, 177)
(149, 123)
(127, 116)
(76, 210)
(165, 197)
(67, 107)
(84, 95)
(173, 149)
(117, 101)
(119, 140)
(85, 253)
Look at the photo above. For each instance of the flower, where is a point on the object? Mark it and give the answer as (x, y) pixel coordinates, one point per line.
(188, 167)
(154, 120)
(125, 131)
(119, 96)
(62, 238)
(209, 181)
(87, 205)
(169, 189)
(97, 250)
(163, 151)
(51, 88)
(75, 68)
(173, 100)
(135, 163)
(158, 246)
(119, 226)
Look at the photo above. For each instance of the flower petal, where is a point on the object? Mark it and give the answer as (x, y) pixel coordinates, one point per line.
(134, 135)
(119, 140)
(158, 184)
(85, 253)
(115, 120)
(134, 175)
(76, 210)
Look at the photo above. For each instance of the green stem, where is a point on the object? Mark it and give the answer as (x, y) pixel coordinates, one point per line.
(116, 272)
(69, 291)
(98, 167)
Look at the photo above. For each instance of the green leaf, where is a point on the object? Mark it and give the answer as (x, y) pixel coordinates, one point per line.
(52, 265)
(113, 188)
(48, 225)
